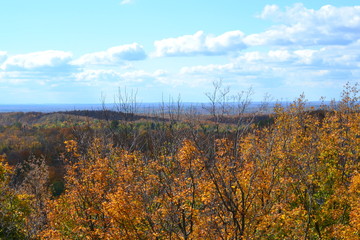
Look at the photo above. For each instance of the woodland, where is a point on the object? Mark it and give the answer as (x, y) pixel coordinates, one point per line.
(291, 173)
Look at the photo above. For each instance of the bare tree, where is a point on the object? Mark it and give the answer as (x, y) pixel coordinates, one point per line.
(35, 184)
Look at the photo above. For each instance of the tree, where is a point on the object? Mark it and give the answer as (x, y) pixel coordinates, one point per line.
(14, 208)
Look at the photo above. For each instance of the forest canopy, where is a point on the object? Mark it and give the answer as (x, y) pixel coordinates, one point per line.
(229, 174)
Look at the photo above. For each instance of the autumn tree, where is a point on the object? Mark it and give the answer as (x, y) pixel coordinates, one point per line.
(14, 207)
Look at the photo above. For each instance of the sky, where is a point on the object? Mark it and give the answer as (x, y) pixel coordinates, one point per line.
(87, 51)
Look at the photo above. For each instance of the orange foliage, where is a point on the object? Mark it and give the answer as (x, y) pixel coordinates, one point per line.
(295, 179)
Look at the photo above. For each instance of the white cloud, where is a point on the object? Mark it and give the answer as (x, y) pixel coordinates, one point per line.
(113, 56)
(308, 27)
(327, 15)
(37, 68)
(296, 26)
(329, 57)
(101, 76)
(329, 67)
(141, 74)
(280, 55)
(3, 56)
(200, 44)
(269, 11)
(211, 68)
(305, 56)
(97, 76)
(21, 77)
(123, 2)
(37, 60)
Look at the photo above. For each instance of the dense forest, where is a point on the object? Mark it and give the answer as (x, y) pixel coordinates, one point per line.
(293, 173)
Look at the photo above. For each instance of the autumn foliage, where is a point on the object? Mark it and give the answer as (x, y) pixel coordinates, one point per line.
(295, 178)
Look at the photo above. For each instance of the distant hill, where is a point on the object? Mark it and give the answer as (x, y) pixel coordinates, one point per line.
(11, 118)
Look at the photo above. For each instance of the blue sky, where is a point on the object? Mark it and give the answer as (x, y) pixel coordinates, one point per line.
(78, 51)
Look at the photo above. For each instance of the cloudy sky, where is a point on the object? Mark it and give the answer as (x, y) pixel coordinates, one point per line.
(76, 51)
